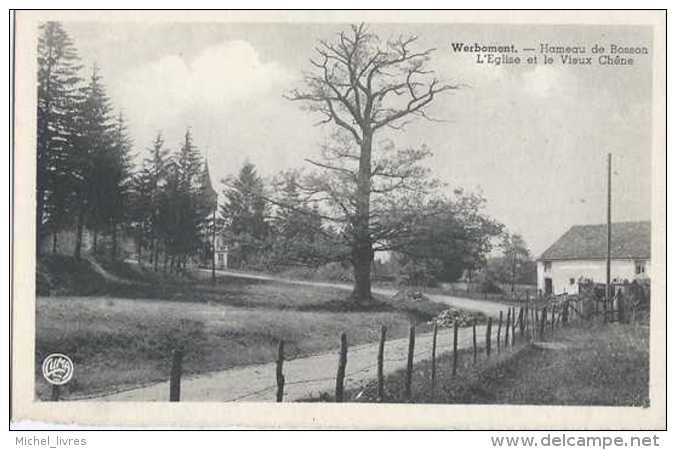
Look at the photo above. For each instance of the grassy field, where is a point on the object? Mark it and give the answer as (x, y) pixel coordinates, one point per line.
(120, 335)
(604, 365)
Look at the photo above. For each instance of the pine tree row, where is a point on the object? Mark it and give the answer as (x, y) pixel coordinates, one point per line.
(85, 173)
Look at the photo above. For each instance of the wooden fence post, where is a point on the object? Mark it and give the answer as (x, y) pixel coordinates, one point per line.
(175, 377)
(474, 338)
(543, 323)
(553, 319)
(488, 337)
(455, 347)
(559, 314)
(620, 306)
(528, 319)
(434, 355)
(534, 328)
(280, 372)
(342, 362)
(381, 356)
(526, 313)
(409, 363)
(508, 325)
(497, 343)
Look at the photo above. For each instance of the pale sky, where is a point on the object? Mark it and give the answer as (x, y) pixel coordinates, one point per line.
(532, 139)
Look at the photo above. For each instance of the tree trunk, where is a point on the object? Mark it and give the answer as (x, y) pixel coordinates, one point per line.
(42, 154)
(54, 241)
(156, 257)
(513, 270)
(114, 238)
(39, 217)
(362, 248)
(151, 255)
(139, 250)
(78, 233)
(361, 263)
(95, 241)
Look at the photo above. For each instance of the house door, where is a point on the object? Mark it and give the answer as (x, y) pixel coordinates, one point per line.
(548, 286)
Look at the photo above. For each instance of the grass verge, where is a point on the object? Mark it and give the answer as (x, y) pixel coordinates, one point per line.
(603, 365)
(120, 334)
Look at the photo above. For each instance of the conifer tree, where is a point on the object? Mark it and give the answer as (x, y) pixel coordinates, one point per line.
(244, 212)
(57, 102)
(298, 229)
(155, 167)
(94, 158)
(191, 212)
(120, 180)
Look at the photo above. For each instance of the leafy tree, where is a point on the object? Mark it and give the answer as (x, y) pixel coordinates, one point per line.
(57, 102)
(455, 233)
(515, 257)
(363, 85)
(417, 271)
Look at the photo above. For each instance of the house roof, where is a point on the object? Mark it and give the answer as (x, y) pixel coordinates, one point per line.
(628, 240)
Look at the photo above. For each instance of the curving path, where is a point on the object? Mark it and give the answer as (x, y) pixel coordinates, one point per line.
(309, 376)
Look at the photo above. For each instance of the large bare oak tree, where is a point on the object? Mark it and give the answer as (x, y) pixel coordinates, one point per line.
(362, 85)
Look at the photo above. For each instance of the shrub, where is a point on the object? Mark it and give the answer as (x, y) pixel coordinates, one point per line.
(418, 273)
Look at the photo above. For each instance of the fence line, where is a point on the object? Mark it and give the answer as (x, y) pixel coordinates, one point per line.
(561, 313)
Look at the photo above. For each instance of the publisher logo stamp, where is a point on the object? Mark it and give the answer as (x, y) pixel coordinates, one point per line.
(57, 369)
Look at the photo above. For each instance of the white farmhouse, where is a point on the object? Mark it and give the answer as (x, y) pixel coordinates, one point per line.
(581, 254)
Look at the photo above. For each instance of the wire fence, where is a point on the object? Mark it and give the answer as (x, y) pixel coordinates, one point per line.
(535, 320)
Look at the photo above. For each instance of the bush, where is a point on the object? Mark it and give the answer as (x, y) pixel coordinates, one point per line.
(449, 317)
(488, 283)
(418, 273)
(334, 272)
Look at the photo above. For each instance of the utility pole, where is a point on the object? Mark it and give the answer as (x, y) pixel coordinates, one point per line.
(607, 299)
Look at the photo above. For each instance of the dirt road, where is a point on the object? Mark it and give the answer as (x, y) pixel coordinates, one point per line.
(308, 377)
(305, 377)
(489, 308)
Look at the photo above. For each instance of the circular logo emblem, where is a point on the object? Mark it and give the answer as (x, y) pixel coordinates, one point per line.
(57, 368)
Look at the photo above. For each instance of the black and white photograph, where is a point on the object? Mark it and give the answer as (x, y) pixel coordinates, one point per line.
(413, 210)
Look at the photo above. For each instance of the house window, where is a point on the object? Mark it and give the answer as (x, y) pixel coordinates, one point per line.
(220, 257)
(572, 281)
(548, 266)
(639, 267)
